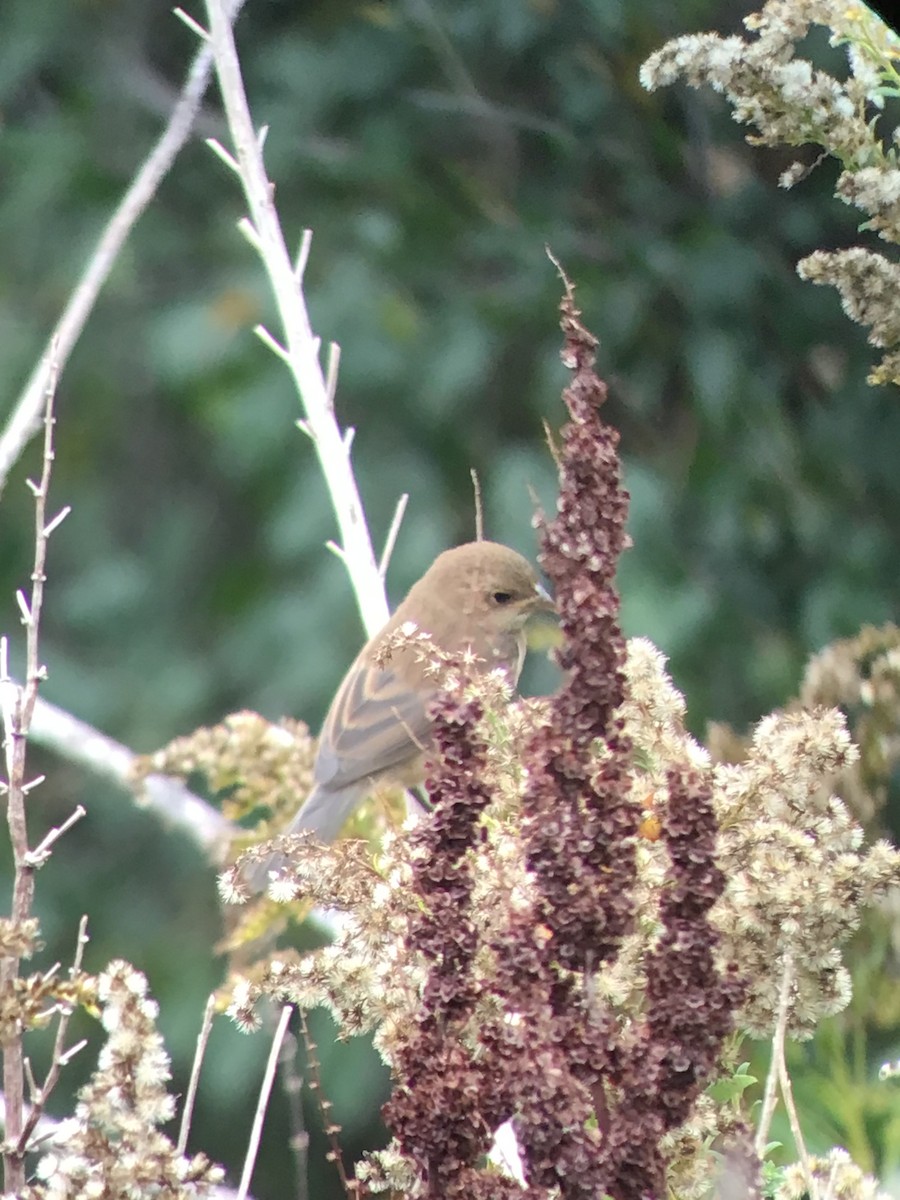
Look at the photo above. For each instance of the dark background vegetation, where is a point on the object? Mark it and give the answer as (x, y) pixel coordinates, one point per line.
(434, 148)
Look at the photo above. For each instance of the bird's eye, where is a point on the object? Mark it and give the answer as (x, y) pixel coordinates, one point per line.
(501, 597)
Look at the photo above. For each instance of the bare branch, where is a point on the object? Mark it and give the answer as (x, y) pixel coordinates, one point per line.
(18, 707)
(25, 418)
(301, 346)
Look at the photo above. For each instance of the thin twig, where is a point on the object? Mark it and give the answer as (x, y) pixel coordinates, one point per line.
(25, 418)
(187, 1110)
(60, 1055)
(300, 345)
(16, 733)
(479, 509)
(39, 855)
(302, 257)
(264, 1093)
(391, 540)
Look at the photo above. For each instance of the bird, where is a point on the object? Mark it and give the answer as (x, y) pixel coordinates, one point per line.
(476, 597)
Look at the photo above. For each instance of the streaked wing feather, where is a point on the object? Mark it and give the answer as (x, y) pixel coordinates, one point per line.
(375, 722)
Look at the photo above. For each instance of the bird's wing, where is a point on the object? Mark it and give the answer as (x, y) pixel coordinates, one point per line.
(376, 722)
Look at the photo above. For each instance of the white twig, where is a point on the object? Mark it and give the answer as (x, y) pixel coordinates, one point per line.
(831, 1185)
(231, 163)
(275, 346)
(39, 855)
(391, 540)
(57, 520)
(23, 607)
(66, 1058)
(302, 257)
(194, 26)
(25, 418)
(187, 1110)
(301, 347)
(264, 1093)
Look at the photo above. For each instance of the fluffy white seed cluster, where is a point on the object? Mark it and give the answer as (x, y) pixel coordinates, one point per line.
(112, 1145)
(798, 872)
(789, 101)
(786, 99)
(834, 1177)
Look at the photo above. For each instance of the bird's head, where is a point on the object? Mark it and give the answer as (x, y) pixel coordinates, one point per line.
(487, 584)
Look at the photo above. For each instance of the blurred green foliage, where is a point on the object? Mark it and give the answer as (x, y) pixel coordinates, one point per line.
(435, 147)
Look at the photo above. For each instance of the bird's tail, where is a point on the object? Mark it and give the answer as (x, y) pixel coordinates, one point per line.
(323, 814)
(325, 811)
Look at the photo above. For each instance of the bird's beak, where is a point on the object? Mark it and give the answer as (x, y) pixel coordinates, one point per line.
(544, 600)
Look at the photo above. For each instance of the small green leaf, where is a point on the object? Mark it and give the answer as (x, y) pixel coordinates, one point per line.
(723, 1091)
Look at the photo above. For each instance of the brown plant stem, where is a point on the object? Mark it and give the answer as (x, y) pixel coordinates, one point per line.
(17, 727)
(352, 1187)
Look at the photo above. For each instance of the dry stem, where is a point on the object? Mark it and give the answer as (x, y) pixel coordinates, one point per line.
(16, 732)
(264, 1093)
(350, 1186)
(187, 1109)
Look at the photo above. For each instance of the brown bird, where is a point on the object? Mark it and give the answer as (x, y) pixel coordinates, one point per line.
(477, 596)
